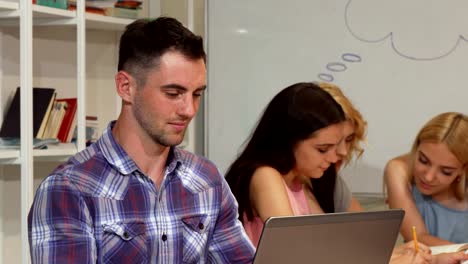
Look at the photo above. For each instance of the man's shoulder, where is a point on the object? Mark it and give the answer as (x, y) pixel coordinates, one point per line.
(85, 172)
(198, 168)
(89, 159)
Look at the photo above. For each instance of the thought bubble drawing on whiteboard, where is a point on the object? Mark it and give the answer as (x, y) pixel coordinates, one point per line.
(416, 29)
(339, 66)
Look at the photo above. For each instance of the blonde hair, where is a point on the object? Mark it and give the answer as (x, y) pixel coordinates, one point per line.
(353, 115)
(450, 128)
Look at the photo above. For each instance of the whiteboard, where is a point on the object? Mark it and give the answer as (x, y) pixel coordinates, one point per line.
(401, 62)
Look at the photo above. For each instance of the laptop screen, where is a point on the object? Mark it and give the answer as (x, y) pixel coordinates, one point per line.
(361, 238)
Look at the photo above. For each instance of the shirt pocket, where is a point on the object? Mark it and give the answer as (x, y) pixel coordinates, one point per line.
(124, 243)
(195, 237)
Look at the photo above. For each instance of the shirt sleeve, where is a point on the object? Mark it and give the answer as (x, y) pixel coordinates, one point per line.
(59, 224)
(342, 195)
(229, 243)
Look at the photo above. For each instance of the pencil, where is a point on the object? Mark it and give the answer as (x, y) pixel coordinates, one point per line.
(415, 240)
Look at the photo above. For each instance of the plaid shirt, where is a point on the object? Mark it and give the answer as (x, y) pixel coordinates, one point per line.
(99, 207)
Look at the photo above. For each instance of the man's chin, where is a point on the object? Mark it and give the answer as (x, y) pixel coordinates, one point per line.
(175, 141)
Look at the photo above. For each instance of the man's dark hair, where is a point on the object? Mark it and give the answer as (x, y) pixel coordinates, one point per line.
(145, 41)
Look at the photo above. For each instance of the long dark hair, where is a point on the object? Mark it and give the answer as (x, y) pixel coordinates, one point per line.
(293, 115)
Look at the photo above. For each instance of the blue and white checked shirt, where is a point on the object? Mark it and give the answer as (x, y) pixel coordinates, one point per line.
(100, 208)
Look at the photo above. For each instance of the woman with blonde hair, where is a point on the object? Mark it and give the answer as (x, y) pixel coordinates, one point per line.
(288, 166)
(430, 184)
(354, 135)
(355, 127)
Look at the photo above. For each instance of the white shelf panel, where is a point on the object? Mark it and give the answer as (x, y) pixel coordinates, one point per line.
(66, 149)
(9, 156)
(42, 15)
(60, 152)
(94, 21)
(50, 12)
(8, 6)
(49, 16)
(8, 11)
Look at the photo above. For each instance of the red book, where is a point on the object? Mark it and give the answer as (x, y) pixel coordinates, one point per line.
(69, 120)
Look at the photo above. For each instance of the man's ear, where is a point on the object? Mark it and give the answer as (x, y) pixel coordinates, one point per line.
(125, 85)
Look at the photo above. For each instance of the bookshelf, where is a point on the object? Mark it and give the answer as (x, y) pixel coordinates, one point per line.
(9, 157)
(8, 6)
(31, 55)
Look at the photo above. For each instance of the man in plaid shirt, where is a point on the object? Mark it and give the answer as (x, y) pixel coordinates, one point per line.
(133, 197)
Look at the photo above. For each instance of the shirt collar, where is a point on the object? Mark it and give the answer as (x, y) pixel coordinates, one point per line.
(119, 159)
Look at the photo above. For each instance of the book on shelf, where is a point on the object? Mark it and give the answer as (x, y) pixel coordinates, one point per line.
(131, 13)
(99, 4)
(113, 8)
(62, 108)
(93, 10)
(67, 127)
(129, 4)
(52, 3)
(55, 119)
(92, 130)
(43, 100)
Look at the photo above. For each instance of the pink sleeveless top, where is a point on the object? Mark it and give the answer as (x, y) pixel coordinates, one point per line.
(298, 202)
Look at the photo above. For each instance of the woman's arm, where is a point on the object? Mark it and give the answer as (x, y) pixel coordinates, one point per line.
(396, 176)
(450, 258)
(355, 206)
(268, 194)
(343, 198)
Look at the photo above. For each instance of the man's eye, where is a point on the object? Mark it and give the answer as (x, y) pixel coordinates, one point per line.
(173, 94)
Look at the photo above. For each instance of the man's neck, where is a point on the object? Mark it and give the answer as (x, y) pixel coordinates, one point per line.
(149, 156)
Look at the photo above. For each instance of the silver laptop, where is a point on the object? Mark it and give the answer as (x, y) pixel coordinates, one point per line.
(339, 238)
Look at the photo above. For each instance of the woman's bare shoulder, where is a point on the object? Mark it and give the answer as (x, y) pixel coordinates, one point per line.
(266, 171)
(266, 176)
(397, 171)
(400, 165)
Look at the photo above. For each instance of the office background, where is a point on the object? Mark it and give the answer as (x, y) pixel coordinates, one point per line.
(400, 62)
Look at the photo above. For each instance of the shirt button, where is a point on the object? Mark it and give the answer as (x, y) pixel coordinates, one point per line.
(164, 237)
(201, 226)
(125, 235)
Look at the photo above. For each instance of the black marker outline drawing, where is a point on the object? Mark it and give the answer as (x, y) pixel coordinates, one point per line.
(336, 66)
(326, 77)
(392, 42)
(351, 57)
(339, 66)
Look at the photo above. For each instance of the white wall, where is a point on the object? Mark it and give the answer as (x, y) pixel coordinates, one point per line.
(411, 67)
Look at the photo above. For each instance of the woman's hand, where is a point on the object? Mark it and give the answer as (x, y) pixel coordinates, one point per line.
(450, 258)
(406, 254)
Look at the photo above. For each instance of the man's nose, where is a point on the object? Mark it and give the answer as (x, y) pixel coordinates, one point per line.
(189, 107)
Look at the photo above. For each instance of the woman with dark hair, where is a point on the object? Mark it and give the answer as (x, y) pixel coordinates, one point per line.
(281, 170)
